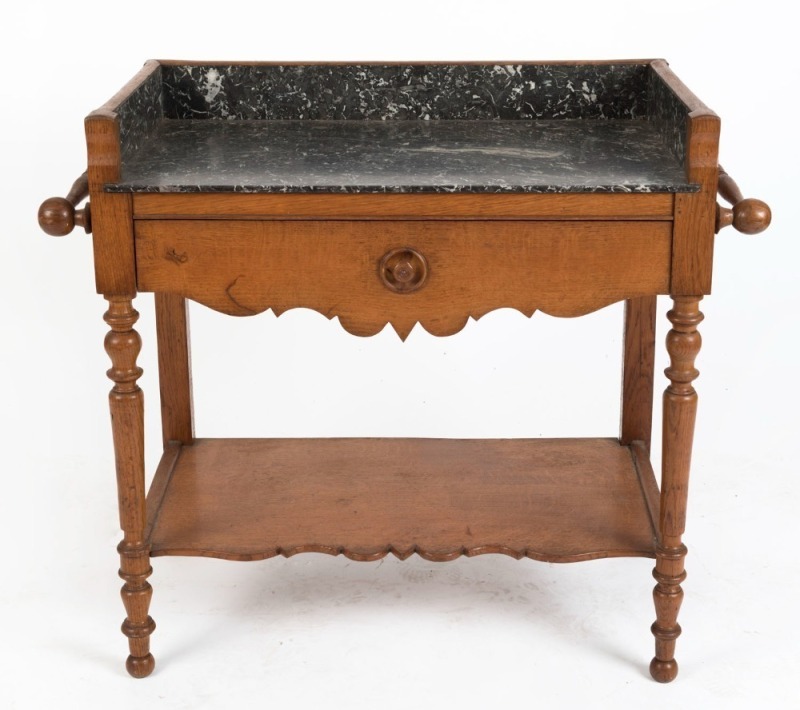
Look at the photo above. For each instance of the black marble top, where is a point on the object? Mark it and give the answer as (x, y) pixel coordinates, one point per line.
(474, 127)
(540, 155)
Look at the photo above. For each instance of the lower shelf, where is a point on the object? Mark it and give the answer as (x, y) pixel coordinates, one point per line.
(557, 500)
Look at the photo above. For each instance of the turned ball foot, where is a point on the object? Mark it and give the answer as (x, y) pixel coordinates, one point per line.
(140, 667)
(663, 671)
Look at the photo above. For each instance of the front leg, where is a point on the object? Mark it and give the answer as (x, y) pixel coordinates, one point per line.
(680, 407)
(122, 344)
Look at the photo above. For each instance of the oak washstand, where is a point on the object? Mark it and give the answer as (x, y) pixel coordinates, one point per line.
(404, 194)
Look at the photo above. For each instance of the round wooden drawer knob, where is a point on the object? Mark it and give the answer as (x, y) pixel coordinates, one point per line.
(403, 270)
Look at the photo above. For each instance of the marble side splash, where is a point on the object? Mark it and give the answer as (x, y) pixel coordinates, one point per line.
(386, 92)
(139, 114)
(668, 113)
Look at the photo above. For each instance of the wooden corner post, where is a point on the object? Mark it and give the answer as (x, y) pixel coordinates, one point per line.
(115, 276)
(692, 256)
(126, 402)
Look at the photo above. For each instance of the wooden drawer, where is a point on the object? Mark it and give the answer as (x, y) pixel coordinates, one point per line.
(438, 273)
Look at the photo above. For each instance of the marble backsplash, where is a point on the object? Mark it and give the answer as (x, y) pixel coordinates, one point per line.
(397, 92)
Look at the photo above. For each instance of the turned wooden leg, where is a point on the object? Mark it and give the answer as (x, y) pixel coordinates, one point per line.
(122, 344)
(680, 407)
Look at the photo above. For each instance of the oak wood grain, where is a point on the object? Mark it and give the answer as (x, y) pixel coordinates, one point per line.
(112, 220)
(565, 254)
(122, 343)
(680, 409)
(558, 500)
(409, 206)
(638, 361)
(647, 478)
(58, 216)
(158, 486)
(749, 216)
(243, 268)
(174, 368)
(695, 213)
(111, 215)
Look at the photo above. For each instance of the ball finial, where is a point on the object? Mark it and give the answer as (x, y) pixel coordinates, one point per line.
(56, 217)
(751, 216)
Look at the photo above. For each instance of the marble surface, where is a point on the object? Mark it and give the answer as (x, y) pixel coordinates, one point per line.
(412, 91)
(139, 114)
(668, 114)
(403, 156)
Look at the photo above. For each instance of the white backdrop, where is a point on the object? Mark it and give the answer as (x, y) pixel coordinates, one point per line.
(328, 632)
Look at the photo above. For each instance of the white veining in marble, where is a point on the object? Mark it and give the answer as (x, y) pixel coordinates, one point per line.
(404, 156)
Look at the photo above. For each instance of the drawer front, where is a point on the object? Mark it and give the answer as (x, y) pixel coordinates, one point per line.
(370, 273)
